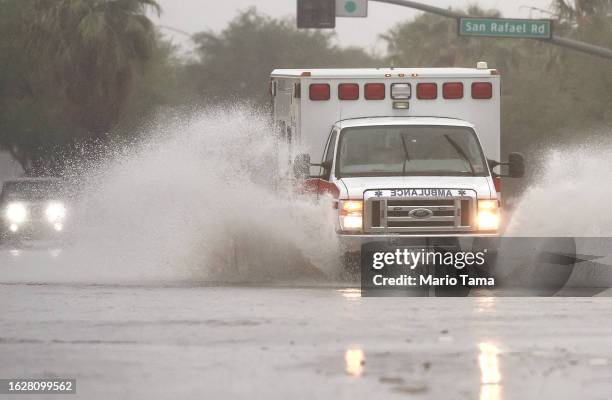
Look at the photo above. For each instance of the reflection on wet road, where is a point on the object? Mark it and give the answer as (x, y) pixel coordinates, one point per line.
(355, 360)
(488, 359)
(224, 342)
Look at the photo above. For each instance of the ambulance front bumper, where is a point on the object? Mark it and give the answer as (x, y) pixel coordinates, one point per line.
(352, 243)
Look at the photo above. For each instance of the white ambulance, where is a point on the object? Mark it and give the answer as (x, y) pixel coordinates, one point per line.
(407, 152)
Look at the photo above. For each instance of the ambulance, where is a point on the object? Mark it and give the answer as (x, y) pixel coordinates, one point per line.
(405, 152)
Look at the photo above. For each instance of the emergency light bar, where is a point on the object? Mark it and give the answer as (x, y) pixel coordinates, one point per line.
(399, 91)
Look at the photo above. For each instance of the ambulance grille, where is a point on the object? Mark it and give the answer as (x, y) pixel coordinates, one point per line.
(419, 215)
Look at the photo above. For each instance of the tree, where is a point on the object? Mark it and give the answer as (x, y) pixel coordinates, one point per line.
(156, 87)
(30, 115)
(93, 49)
(431, 41)
(581, 11)
(236, 63)
(69, 72)
(586, 81)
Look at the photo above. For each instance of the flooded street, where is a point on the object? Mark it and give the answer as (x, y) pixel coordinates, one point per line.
(305, 199)
(128, 308)
(326, 342)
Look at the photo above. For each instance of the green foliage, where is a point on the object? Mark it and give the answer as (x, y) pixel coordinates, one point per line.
(31, 123)
(236, 63)
(156, 87)
(67, 72)
(583, 11)
(585, 83)
(431, 41)
(93, 49)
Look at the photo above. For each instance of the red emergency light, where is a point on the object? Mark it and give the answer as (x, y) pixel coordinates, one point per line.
(348, 91)
(452, 90)
(427, 91)
(319, 92)
(320, 187)
(482, 90)
(375, 91)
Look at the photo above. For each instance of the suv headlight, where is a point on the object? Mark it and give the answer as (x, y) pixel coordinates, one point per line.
(351, 215)
(55, 212)
(488, 215)
(16, 213)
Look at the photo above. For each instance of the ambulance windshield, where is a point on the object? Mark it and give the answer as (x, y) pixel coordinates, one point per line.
(410, 151)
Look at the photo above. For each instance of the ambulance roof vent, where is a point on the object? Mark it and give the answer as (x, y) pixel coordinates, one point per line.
(482, 65)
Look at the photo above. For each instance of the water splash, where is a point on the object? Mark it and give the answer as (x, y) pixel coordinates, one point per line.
(206, 198)
(564, 210)
(570, 195)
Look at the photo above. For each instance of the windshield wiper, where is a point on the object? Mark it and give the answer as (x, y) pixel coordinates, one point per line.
(407, 158)
(461, 153)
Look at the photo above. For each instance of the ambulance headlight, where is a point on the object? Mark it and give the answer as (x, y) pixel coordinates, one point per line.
(16, 213)
(488, 215)
(351, 215)
(55, 213)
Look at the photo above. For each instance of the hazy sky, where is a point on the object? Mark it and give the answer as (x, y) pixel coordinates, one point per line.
(197, 15)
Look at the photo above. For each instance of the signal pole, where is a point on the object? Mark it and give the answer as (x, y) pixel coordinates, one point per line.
(321, 14)
(556, 40)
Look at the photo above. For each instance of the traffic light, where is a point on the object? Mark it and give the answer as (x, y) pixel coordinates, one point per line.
(318, 14)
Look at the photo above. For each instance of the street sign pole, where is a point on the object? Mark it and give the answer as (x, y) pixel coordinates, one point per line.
(556, 40)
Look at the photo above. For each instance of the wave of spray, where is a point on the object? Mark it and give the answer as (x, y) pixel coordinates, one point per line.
(564, 210)
(205, 198)
(570, 196)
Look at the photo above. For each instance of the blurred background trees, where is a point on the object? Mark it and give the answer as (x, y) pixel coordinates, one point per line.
(234, 65)
(77, 72)
(92, 50)
(68, 73)
(585, 83)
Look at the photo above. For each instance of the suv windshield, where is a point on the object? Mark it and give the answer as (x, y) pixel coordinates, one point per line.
(410, 151)
(31, 191)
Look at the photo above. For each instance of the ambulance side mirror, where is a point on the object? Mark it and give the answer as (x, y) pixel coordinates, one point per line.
(301, 166)
(516, 164)
(516, 161)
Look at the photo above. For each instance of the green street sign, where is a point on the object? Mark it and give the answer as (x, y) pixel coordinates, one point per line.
(352, 8)
(502, 27)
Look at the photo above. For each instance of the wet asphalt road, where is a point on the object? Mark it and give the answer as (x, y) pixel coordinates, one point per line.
(143, 342)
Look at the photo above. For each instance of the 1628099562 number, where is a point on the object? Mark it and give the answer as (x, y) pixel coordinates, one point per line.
(33, 386)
